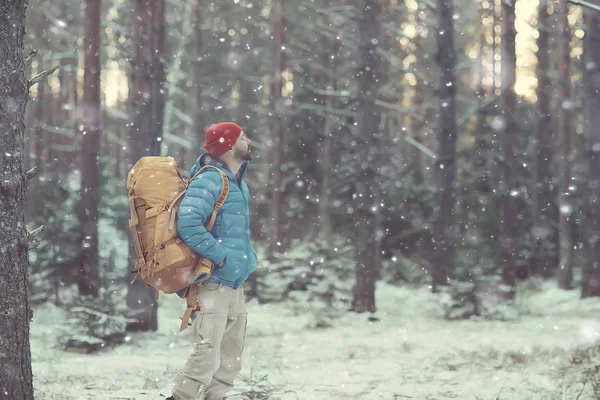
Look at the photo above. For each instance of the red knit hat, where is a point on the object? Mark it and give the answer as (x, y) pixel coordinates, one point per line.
(221, 137)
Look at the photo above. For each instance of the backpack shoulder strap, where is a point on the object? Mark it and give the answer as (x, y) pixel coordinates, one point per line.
(222, 196)
(220, 200)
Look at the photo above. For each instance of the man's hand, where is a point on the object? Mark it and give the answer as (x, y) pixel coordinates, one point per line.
(222, 262)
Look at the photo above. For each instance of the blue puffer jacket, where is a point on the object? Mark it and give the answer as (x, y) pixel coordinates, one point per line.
(230, 237)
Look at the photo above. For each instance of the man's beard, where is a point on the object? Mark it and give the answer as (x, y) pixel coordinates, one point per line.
(244, 155)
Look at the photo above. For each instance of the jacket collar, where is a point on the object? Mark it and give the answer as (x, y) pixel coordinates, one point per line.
(207, 159)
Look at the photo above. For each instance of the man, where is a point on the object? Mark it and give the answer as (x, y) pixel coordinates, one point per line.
(219, 324)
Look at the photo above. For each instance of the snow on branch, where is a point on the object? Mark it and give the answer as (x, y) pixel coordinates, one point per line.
(424, 149)
(30, 57)
(429, 4)
(478, 107)
(55, 129)
(32, 173)
(42, 75)
(316, 107)
(324, 92)
(585, 4)
(177, 140)
(32, 240)
(405, 110)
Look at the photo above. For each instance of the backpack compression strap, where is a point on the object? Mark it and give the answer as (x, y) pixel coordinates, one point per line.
(134, 226)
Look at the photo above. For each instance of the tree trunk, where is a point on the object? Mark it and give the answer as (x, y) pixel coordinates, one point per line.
(545, 254)
(147, 95)
(90, 147)
(71, 162)
(591, 62)
(118, 150)
(147, 99)
(494, 35)
(483, 140)
(445, 231)
(158, 75)
(16, 380)
(197, 51)
(65, 78)
(367, 239)
(40, 135)
(412, 155)
(495, 165)
(508, 187)
(277, 130)
(325, 228)
(565, 270)
(186, 31)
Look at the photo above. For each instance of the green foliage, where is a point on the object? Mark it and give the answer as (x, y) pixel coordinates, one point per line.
(97, 322)
(407, 216)
(257, 387)
(482, 296)
(113, 227)
(55, 205)
(315, 276)
(399, 269)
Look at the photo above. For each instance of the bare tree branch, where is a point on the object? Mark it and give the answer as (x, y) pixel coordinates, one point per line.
(32, 173)
(30, 57)
(420, 146)
(585, 4)
(464, 118)
(42, 75)
(32, 241)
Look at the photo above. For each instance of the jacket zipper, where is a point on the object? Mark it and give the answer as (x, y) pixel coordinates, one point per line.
(239, 185)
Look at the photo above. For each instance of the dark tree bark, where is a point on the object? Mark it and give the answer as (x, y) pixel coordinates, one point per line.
(484, 152)
(591, 62)
(147, 100)
(566, 223)
(545, 256)
(508, 186)
(277, 130)
(445, 231)
(147, 95)
(89, 281)
(368, 116)
(158, 74)
(40, 134)
(16, 380)
(248, 96)
(326, 145)
(411, 155)
(197, 50)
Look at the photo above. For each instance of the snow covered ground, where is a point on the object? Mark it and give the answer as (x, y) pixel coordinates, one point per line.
(411, 353)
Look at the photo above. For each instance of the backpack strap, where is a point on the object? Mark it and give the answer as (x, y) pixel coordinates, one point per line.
(220, 200)
(192, 305)
(134, 226)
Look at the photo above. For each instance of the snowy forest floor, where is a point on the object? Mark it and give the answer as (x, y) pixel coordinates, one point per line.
(410, 353)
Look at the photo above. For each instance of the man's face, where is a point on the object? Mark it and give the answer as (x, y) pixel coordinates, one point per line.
(241, 148)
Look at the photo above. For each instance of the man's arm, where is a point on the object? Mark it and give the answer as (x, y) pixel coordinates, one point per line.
(194, 211)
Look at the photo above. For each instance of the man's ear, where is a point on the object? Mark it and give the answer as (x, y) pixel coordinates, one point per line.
(228, 153)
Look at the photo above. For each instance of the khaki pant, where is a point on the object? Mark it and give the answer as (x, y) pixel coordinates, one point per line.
(218, 331)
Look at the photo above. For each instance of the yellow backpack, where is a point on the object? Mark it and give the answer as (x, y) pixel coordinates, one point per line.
(155, 186)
